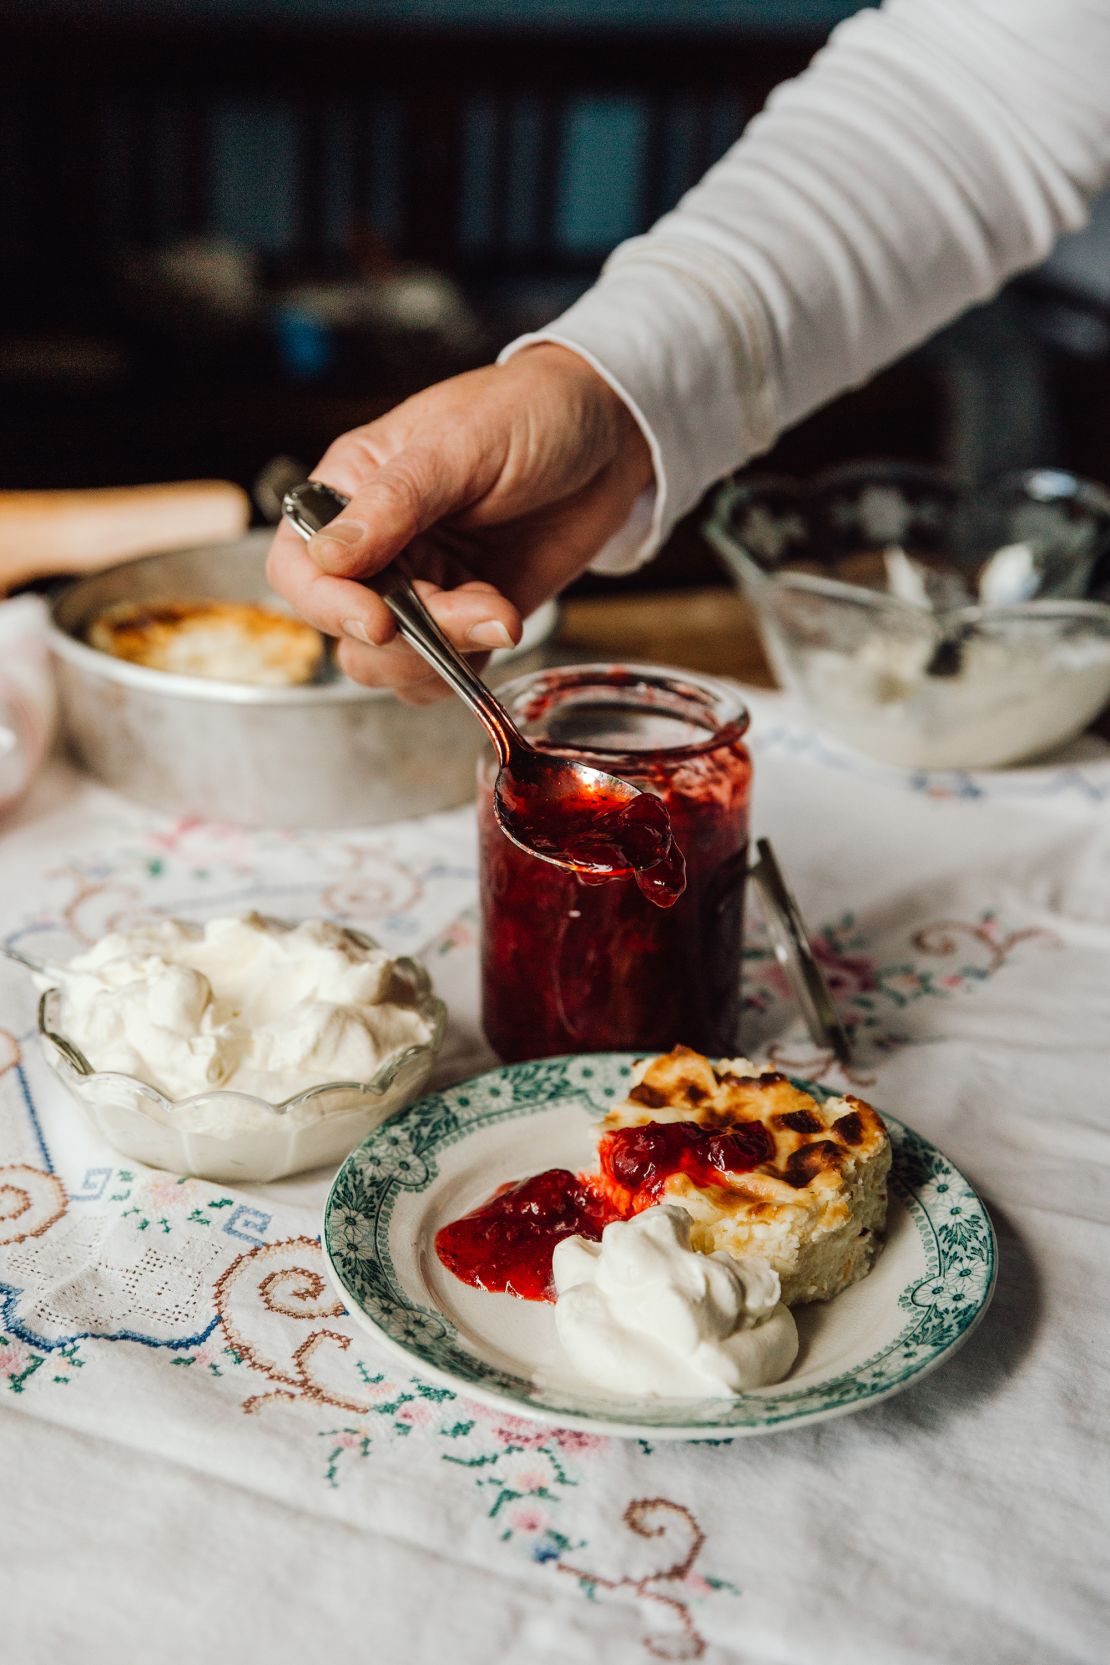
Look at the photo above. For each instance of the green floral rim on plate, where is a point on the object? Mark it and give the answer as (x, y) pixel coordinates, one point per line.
(939, 1309)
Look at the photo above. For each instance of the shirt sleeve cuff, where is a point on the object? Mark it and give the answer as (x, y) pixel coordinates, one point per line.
(644, 531)
(693, 379)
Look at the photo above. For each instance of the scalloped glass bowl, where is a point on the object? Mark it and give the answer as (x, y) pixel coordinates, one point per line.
(960, 684)
(237, 1137)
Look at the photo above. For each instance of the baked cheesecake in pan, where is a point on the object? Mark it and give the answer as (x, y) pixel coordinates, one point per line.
(233, 641)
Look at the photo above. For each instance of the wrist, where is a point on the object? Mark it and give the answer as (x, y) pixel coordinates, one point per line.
(597, 403)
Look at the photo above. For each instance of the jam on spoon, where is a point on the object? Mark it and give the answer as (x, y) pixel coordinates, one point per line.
(584, 825)
(565, 812)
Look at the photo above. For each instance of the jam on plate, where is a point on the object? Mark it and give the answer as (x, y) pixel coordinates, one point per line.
(507, 1243)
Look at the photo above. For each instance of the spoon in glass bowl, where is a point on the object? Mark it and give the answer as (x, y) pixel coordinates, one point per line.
(562, 811)
(40, 968)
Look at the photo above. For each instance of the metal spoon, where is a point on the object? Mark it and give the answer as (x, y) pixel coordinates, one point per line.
(562, 811)
(41, 968)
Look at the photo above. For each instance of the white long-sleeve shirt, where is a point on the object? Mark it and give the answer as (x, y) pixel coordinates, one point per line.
(932, 149)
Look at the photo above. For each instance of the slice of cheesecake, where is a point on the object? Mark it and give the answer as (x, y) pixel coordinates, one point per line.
(761, 1167)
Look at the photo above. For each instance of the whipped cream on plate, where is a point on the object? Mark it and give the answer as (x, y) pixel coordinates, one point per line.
(641, 1313)
(246, 1005)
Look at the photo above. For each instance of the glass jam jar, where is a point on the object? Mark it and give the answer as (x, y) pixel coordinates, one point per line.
(570, 965)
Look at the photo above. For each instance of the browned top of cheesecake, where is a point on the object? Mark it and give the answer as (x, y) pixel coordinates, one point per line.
(235, 641)
(752, 1139)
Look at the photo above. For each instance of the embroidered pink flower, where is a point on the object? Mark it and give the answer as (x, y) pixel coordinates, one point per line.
(697, 1585)
(168, 1193)
(204, 1355)
(846, 973)
(348, 1439)
(416, 1415)
(459, 934)
(14, 1355)
(527, 1518)
(533, 1481)
(515, 1431)
(951, 982)
(573, 1439)
(905, 982)
(775, 981)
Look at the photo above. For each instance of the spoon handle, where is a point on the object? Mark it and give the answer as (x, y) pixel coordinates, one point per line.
(41, 968)
(309, 508)
(422, 632)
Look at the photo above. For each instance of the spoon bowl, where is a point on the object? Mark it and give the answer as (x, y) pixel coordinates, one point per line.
(595, 824)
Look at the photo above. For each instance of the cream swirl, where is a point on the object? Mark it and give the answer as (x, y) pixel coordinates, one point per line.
(239, 1004)
(641, 1313)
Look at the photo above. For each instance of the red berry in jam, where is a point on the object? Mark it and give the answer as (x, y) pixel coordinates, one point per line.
(640, 1160)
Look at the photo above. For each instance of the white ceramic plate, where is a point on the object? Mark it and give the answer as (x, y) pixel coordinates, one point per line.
(929, 1287)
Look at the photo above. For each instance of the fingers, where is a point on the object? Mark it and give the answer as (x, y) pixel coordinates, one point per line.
(336, 606)
(498, 459)
(474, 616)
(390, 505)
(464, 616)
(373, 668)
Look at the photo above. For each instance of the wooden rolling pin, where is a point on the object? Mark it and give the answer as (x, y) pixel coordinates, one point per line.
(47, 532)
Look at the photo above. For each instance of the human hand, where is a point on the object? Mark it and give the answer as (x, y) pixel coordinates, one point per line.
(505, 482)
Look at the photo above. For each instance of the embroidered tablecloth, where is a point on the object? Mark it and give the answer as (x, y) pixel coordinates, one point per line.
(203, 1457)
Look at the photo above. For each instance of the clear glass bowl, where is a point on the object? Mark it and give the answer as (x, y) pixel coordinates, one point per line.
(964, 674)
(229, 1136)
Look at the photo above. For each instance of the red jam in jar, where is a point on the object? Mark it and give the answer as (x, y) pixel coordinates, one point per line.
(581, 963)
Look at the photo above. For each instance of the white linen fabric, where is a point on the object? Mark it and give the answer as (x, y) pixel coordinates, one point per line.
(202, 1454)
(932, 149)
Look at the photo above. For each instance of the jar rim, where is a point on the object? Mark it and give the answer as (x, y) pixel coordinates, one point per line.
(718, 699)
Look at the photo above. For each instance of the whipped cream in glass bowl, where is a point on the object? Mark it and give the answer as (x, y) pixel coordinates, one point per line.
(641, 1313)
(928, 624)
(245, 1049)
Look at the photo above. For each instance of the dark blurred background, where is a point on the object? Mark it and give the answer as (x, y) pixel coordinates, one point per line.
(233, 228)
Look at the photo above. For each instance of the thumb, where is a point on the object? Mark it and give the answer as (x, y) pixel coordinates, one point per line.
(399, 500)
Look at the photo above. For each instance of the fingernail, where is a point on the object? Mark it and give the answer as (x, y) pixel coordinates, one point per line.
(343, 533)
(356, 628)
(491, 633)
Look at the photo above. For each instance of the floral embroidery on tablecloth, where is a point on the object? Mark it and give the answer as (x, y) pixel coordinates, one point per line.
(19, 1362)
(195, 867)
(671, 1586)
(267, 1336)
(31, 1201)
(944, 959)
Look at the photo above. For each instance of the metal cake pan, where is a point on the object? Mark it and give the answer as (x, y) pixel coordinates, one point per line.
(327, 754)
